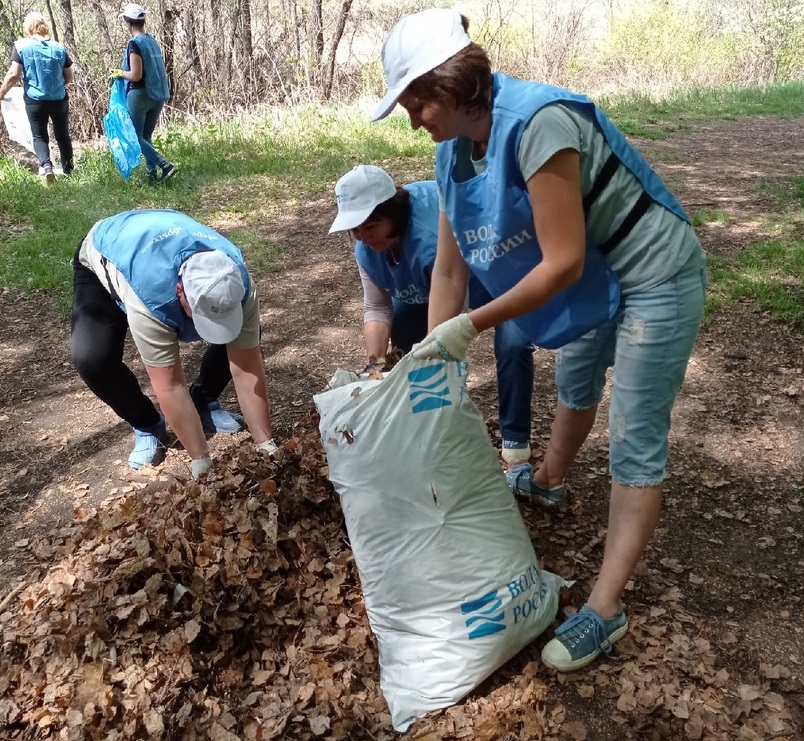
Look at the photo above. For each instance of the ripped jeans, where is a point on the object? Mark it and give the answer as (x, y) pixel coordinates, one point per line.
(648, 342)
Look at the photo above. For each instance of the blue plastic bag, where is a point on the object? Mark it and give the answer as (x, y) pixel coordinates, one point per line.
(123, 141)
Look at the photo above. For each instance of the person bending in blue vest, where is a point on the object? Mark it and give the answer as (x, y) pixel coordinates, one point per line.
(395, 232)
(147, 89)
(583, 246)
(45, 69)
(169, 279)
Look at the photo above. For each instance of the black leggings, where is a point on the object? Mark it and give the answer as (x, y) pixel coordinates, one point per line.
(98, 335)
(58, 111)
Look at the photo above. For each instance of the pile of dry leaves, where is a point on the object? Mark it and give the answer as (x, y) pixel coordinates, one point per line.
(231, 609)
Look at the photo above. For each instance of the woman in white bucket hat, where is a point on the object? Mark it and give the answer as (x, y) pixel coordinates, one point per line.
(395, 232)
(581, 244)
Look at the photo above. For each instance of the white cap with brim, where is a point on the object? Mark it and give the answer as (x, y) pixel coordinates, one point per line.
(359, 192)
(214, 290)
(417, 44)
(133, 12)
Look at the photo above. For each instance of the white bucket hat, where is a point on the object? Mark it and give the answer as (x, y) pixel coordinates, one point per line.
(214, 290)
(359, 192)
(417, 44)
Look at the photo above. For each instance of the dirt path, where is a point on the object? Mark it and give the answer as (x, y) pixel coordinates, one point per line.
(729, 547)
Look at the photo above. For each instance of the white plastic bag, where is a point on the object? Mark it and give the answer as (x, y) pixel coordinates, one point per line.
(450, 579)
(15, 118)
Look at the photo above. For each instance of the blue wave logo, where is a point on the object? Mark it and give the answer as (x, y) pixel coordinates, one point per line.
(429, 388)
(486, 614)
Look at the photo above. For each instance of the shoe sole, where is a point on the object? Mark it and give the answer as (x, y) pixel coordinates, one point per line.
(572, 666)
(170, 173)
(50, 178)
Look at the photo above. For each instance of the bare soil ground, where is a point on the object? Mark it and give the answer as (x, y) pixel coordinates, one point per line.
(721, 586)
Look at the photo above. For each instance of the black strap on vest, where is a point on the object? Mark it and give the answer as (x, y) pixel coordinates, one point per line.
(112, 292)
(601, 181)
(628, 223)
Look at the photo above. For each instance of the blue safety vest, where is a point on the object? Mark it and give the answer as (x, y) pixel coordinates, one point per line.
(153, 67)
(42, 68)
(492, 217)
(409, 280)
(148, 247)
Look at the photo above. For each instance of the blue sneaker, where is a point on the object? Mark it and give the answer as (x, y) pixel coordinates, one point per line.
(149, 445)
(520, 479)
(582, 637)
(215, 419)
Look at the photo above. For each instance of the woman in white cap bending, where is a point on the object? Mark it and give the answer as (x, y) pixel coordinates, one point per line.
(395, 232)
(581, 244)
(147, 88)
(169, 279)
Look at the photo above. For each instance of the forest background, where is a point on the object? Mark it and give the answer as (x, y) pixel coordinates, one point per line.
(224, 56)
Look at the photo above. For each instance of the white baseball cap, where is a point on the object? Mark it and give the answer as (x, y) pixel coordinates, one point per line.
(133, 12)
(359, 192)
(214, 290)
(417, 44)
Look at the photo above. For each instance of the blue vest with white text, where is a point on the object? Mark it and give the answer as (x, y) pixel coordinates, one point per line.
(42, 68)
(492, 216)
(149, 246)
(408, 281)
(153, 67)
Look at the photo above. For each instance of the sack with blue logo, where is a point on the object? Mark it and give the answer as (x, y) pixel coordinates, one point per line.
(451, 583)
(123, 141)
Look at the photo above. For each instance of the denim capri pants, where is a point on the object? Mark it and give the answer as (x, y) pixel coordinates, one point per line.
(648, 342)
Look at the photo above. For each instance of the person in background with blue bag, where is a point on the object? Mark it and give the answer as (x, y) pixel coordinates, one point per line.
(395, 232)
(581, 244)
(45, 69)
(147, 87)
(167, 279)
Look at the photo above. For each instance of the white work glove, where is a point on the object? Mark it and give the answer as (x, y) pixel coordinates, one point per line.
(448, 341)
(268, 446)
(201, 466)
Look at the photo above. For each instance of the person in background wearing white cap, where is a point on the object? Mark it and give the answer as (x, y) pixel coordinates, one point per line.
(147, 88)
(168, 279)
(395, 231)
(45, 68)
(581, 243)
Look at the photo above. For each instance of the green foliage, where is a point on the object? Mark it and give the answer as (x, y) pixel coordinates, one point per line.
(709, 216)
(769, 271)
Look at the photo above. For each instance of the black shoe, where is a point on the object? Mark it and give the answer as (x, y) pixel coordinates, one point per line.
(169, 171)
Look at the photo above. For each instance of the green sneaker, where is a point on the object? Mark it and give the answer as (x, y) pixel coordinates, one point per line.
(582, 637)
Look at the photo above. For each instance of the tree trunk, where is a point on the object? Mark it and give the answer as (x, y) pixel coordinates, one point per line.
(168, 51)
(103, 28)
(53, 30)
(329, 67)
(69, 25)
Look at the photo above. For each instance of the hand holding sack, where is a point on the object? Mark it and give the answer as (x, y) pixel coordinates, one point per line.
(448, 341)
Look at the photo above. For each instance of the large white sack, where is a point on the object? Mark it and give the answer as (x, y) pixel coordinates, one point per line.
(15, 118)
(450, 579)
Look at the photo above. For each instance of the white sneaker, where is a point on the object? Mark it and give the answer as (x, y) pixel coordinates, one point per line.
(515, 453)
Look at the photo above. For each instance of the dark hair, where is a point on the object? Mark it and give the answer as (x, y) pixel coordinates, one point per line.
(464, 77)
(138, 24)
(397, 209)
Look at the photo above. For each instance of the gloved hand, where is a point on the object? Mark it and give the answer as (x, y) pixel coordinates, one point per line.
(115, 74)
(268, 446)
(201, 466)
(448, 341)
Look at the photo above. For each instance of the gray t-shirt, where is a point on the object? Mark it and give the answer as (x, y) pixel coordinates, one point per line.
(656, 248)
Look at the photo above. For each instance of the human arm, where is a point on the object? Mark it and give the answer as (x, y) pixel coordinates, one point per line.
(555, 192)
(378, 316)
(449, 278)
(134, 72)
(170, 387)
(251, 387)
(68, 73)
(12, 77)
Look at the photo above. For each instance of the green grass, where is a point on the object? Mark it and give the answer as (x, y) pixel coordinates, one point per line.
(769, 271)
(704, 216)
(657, 119)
